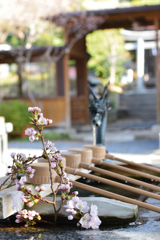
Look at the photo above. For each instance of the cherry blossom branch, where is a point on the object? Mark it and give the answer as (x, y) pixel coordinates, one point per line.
(50, 172)
(21, 168)
(4, 182)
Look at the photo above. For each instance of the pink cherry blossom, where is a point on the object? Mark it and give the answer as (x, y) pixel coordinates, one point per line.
(34, 213)
(28, 132)
(84, 221)
(75, 200)
(42, 121)
(69, 205)
(30, 215)
(24, 211)
(23, 179)
(53, 165)
(94, 222)
(79, 205)
(24, 198)
(29, 169)
(33, 131)
(37, 109)
(19, 186)
(62, 187)
(94, 210)
(31, 175)
(31, 138)
(49, 144)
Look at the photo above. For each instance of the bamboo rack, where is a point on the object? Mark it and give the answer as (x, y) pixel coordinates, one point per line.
(112, 183)
(116, 196)
(151, 168)
(124, 169)
(119, 176)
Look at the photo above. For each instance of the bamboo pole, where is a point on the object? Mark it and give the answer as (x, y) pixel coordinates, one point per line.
(119, 176)
(151, 168)
(124, 169)
(115, 196)
(112, 183)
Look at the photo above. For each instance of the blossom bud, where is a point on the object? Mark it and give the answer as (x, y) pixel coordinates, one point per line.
(70, 217)
(50, 121)
(37, 189)
(60, 164)
(39, 217)
(30, 109)
(30, 204)
(63, 196)
(13, 154)
(42, 188)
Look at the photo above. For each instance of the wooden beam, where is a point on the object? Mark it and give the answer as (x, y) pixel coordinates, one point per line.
(67, 93)
(157, 72)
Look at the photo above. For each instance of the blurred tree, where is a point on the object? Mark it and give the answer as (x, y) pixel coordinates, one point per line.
(22, 24)
(139, 2)
(108, 55)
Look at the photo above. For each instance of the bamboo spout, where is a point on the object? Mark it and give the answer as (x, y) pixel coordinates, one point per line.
(120, 177)
(112, 183)
(116, 196)
(124, 169)
(151, 168)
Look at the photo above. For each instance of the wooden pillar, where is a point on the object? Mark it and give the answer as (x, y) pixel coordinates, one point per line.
(67, 93)
(81, 75)
(82, 83)
(20, 79)
(63, 87)
(60, 78)
(86, 92)
(157, 73)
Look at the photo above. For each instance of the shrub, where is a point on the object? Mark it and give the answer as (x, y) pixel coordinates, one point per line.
(56, 136)
(14, 111)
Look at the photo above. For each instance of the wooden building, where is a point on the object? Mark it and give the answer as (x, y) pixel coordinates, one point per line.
(64, 109)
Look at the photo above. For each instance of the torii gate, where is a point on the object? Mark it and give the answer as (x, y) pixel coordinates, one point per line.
(140, 45)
